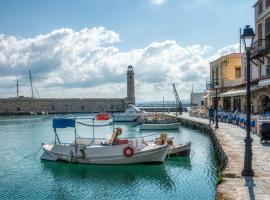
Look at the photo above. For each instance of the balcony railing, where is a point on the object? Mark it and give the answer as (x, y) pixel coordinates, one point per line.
(260, 47)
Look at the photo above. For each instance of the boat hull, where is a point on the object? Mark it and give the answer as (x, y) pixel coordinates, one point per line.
(180, 150)
(67, 154)
(156, 126)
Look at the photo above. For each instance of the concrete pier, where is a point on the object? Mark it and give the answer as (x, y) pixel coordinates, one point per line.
(229, 143)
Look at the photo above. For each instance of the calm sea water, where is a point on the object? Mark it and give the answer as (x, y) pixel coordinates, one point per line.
(24, 176)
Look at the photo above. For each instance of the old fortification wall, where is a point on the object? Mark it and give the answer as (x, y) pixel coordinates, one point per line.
(27, 105)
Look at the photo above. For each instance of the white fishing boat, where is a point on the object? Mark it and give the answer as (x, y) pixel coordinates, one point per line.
(175, 150)
(159, 126)
(179, 150)
(102, 151)
(132, 113)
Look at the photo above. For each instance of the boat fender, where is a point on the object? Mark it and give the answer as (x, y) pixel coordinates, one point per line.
(128, 152)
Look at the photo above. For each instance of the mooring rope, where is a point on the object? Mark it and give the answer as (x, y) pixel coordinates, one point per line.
(34, 154)
(95, 124)
(141, 136)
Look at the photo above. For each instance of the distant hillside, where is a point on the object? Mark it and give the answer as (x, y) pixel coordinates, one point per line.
(160, 104)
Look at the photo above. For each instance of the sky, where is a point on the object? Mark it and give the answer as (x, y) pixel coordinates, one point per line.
(81, 48)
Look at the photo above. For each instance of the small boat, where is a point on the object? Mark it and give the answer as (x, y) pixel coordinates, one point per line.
(112, 150)
(179, 150)
(131, 114)
(159, 126)
(102, 116)
(174, 150)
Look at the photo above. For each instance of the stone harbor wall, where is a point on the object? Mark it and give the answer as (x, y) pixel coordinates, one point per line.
(72, 105)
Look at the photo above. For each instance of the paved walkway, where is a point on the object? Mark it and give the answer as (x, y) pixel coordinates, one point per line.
(234, 186)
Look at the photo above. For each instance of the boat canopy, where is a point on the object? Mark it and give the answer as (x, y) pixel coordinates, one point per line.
(64, 122)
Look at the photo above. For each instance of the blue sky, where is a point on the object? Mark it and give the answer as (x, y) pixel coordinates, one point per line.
(139, 22)
(207, 25)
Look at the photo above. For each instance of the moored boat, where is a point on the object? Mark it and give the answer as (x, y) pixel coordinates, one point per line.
(179, 150)
(102, 151)
(175, 150)
(102, 116)
(131, 114)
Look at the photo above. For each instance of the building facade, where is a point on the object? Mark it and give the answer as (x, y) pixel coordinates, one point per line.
(196, 99)
(226, 73)
(260, 55)
(232, 90)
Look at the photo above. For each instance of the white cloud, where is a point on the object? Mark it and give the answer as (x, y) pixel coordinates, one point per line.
(233, 48)
(87, 63)
(158, 2)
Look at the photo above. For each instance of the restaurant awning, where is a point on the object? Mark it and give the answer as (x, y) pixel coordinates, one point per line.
(264, 82)
(233, 93)
(210, 95)
(238, 92)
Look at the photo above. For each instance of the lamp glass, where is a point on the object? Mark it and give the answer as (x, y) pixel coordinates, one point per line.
(248, 41)
(248, 37)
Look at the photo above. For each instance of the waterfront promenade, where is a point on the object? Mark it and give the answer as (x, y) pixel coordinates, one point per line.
(231, 138)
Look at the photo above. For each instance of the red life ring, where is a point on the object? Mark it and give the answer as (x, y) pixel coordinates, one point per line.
(128, 152)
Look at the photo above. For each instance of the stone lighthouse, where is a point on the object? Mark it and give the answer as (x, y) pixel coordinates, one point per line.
(130, 86)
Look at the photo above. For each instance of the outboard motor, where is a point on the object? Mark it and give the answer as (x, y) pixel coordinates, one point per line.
(265, 131)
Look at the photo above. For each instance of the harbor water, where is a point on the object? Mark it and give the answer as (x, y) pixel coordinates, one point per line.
(24, 176)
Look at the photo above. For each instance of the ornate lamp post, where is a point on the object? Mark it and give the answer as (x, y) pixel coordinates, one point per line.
(248, 37)
(216, 102)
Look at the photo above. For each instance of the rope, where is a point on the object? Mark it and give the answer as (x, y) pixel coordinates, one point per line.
(142, 136)
(99, 125)
(34, 154)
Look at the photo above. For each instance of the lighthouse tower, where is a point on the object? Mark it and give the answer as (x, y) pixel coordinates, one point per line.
(130, 86)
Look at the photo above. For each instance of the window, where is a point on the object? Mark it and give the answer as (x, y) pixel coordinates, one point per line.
(267, 3)
(260, 31)
(260, 7)
(267, 26)
(82, 107)
(267, 68)
(237, 72)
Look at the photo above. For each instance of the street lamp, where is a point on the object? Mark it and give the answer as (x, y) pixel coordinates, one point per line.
(216, 103)
(248, 37)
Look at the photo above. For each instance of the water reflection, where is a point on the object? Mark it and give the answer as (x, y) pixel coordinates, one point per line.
(179, 162)
(116, 174)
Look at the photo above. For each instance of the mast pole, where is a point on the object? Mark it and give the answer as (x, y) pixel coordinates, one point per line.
(17, 85)
(32, 92)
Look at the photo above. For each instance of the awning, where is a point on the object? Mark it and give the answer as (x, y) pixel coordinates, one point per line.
(206, 96)
(238, 92)
(233, 93)
(264, 82)
(63, 122)
(210, 95)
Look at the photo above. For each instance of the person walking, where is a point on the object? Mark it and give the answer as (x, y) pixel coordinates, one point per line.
(211, 113)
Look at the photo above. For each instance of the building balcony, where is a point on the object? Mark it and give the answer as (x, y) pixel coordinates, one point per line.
(260, 48)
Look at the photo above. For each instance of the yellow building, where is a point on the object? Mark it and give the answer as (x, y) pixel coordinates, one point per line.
(226, 69)
(226, 72)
